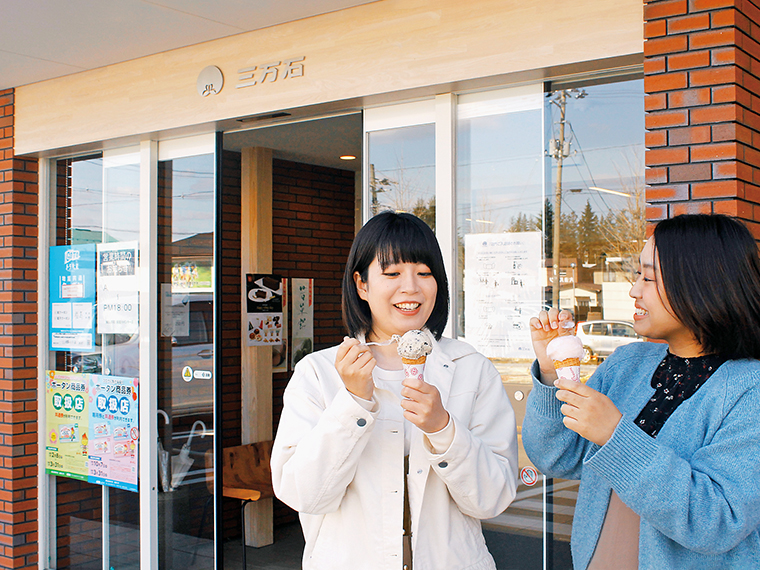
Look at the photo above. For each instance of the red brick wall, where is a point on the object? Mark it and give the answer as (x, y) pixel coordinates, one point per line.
(702, 79)
(18, 349)
(313, 229)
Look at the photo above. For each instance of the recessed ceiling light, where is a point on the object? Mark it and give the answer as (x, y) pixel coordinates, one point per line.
(348, 157)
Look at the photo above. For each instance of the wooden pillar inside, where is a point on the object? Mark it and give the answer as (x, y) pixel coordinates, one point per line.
(256, 362)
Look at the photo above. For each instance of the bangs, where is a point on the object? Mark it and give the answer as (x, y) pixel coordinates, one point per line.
(406, 251)
(404, 241)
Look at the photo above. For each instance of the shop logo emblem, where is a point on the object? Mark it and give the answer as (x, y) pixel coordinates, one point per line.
(210, 81)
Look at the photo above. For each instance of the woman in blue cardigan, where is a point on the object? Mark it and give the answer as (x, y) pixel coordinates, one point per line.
(664, 437)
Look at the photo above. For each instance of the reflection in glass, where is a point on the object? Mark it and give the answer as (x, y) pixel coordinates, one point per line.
(585, 168)
(499, 200)
(186, 207)
(402, 171)
(500, 220)
(595, 164)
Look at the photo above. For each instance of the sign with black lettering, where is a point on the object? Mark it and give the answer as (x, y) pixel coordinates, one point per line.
(118, 298)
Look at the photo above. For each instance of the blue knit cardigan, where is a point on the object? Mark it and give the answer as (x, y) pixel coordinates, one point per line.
(696, 486)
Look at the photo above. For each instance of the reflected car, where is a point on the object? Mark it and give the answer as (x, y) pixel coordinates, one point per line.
(601, 338)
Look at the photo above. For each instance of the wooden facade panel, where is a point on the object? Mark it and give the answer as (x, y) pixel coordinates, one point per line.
(377, 48)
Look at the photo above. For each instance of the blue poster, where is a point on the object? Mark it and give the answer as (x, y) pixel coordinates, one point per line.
(72, 297)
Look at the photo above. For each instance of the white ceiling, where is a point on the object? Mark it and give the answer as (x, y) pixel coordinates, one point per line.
(42, 39)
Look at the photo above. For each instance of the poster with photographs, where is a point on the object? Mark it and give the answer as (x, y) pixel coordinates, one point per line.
(264, 307)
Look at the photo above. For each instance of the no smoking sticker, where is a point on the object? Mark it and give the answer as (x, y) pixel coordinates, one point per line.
(529, 476)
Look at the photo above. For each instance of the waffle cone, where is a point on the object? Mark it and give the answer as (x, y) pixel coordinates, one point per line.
(566, 362)
(420, 360)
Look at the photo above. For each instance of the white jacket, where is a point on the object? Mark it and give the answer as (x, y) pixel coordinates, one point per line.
(342, 467)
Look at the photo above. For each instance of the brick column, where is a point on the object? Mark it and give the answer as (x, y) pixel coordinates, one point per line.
(701, 66)
(18, 349)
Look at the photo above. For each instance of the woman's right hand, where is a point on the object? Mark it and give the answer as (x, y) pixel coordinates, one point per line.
(355, 363)
(547, 326)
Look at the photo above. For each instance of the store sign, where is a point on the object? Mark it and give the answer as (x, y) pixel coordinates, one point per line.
(210, 81)
(270, 72)
(118, 296)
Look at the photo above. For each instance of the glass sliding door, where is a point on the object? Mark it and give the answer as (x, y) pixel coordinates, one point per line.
(499, 277)
(186, 374)
(95, 346)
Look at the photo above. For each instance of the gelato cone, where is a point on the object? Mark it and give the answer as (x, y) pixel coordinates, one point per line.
(566, 353)
(414, 347)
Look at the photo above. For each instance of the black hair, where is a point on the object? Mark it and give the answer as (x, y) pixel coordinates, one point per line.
(393, 238)
(710, 272)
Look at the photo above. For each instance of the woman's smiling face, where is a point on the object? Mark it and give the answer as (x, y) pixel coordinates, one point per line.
(654, 316)
(401, 297)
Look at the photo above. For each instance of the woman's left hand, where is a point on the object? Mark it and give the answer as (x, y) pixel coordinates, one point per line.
(422, 405)
(588, 413)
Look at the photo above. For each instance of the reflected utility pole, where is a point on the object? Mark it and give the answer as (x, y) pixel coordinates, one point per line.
(559, 150)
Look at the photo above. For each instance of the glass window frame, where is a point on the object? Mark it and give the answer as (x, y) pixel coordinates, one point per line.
(149, 152)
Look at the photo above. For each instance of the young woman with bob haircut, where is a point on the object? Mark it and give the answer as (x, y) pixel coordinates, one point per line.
(388, 471)
(664, 437)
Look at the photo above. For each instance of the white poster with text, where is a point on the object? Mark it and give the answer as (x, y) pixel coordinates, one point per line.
(502, 291)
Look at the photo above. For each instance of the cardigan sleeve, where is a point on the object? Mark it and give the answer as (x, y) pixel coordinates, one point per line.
(318, 445)
(708, 502)
(555, 450)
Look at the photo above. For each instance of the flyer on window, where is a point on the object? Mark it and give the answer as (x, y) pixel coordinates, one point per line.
(118, 299)
(502, 291)
(92, 428)
(72, 297)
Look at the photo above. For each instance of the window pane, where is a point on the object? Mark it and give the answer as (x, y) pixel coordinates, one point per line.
(98, 203)
(500, 221)
(186, 202)
(525, 159)
(402, 171)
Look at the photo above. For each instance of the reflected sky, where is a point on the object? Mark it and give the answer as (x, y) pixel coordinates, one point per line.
(114, 215)
(606, 133)
(403, 165)
(192, 196)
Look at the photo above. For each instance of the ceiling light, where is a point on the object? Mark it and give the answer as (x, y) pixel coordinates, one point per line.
(348, 157)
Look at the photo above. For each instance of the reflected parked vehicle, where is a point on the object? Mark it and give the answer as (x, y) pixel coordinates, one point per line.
(601, 338)
(192, 353)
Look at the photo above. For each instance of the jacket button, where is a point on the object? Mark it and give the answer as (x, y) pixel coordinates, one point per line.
(443, 464)
(361, 422)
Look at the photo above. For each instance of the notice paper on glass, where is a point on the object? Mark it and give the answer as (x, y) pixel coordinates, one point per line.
(502, 291)
(118, 298)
